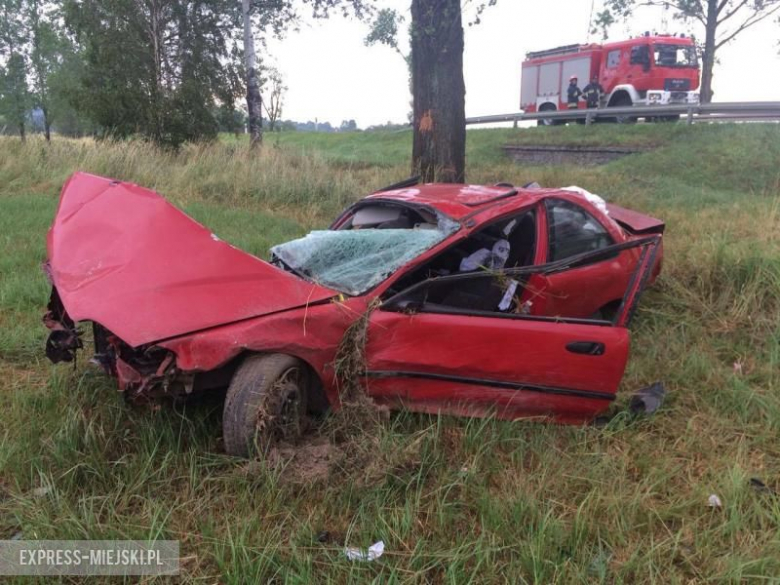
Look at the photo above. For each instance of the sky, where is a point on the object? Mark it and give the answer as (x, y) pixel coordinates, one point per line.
(332, 76)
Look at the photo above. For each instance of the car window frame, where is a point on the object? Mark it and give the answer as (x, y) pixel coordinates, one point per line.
(548, 203)
(458, 237)
(649, 244)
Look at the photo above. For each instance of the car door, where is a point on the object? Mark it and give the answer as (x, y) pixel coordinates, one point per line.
(426, 355)
(594, 288)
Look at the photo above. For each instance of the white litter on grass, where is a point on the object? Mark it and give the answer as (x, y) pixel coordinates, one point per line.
(374, 551)
(714, 501)
(41, 491)
(592, 197)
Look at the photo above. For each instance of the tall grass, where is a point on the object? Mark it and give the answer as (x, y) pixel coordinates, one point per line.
(468, 500)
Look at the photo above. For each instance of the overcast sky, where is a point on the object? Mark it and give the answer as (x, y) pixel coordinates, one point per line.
(332, 76)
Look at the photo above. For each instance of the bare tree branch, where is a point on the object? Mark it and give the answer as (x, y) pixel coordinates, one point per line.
(754, 19)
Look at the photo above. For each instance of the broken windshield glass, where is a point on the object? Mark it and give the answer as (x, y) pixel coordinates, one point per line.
(354, 261)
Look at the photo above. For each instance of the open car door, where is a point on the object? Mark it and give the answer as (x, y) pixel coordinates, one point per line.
(429, 353)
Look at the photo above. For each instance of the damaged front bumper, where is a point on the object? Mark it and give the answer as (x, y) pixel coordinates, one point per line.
(142, 373)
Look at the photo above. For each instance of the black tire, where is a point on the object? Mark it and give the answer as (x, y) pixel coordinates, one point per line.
(266, 402)
(548, 107)
(623, 101)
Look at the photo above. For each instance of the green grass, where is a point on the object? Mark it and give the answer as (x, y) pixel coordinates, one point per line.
(455, 500)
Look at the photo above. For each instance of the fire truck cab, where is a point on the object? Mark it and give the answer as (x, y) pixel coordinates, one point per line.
(648, 70)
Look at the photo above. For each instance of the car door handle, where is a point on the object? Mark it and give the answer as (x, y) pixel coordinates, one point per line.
(586, 347)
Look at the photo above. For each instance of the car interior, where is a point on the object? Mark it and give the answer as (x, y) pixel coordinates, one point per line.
(482, 293)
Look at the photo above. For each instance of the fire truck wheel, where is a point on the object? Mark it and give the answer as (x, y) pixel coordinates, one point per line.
(623, 101)
(548, 121)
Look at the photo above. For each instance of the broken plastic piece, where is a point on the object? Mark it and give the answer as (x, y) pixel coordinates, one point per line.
(506, 300)
(374, 551)
(596, 200)
(493, 259)
(647, 400)
(714, 501)
(760, 486)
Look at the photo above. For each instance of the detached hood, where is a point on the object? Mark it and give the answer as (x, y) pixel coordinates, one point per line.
(122, 256)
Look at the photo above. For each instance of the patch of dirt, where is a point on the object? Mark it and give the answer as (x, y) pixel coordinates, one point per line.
(306, 463)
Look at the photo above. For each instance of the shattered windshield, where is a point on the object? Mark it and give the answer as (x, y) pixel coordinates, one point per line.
(667, 55)
(353, 261)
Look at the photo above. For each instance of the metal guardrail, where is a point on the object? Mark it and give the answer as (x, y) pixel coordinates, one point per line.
(722, 112)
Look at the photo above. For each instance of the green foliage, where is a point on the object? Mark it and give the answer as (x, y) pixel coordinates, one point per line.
(156, 69)
(14, 90)
(384, 29)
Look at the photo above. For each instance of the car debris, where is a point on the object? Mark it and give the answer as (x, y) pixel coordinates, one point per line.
(647, 400)
(374, 551)
(473, 300)
(714, 501)
(761, 487)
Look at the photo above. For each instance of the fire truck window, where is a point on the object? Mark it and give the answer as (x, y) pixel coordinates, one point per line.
(675, 55)
(640, 55)
(572, 230)
(613, 58)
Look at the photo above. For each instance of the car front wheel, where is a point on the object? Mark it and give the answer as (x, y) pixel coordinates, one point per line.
(266, 402)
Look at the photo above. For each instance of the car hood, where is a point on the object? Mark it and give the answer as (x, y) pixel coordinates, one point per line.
(122, 256)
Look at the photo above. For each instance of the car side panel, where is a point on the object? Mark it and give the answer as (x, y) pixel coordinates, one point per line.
(312, 334)
(512, 367)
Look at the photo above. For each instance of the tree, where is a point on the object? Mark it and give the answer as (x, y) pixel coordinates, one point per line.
(722, 21)
(275, 101)
(348, 126)
(439, 92)
(253, 97)
(14, 91)
(156, 67)
(438, 89)
(45, 56)
(275, 17)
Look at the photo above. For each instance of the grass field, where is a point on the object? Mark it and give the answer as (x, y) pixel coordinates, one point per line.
(454, 500)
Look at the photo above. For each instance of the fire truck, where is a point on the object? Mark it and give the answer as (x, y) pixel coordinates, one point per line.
(647, 70)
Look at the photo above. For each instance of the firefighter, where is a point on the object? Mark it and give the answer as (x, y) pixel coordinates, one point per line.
(573, 93)
(593, 92)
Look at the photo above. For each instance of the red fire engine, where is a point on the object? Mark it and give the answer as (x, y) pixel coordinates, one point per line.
(648, 70)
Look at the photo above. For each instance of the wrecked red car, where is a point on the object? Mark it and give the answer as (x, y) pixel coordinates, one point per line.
(473, 300)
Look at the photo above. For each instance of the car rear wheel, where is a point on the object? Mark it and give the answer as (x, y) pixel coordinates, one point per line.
(266, 402)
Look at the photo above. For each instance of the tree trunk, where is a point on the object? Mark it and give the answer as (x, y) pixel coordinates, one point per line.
(46, 125)
(708, 55)
(253, 99)
(439, 93)
(22, 133)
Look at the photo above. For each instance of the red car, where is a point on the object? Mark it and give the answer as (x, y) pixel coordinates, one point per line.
(475, 300)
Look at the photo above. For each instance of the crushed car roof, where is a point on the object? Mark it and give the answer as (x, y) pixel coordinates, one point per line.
(458, 201)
